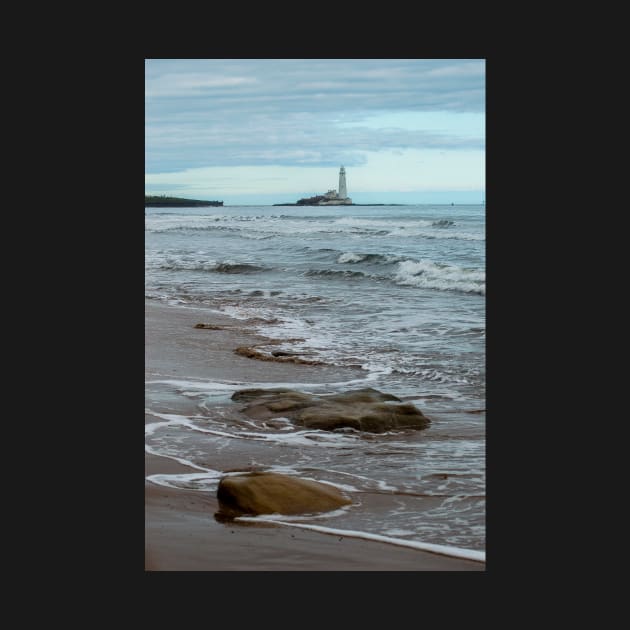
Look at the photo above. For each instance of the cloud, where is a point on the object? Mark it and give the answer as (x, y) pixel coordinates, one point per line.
(264, 140)
(471, 69)
(189, 84)
(222, 112)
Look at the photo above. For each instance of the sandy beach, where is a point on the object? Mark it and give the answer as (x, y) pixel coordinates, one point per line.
(181, 532)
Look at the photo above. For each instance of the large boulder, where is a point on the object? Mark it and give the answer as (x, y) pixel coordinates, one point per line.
(363, 409)
(273, 493)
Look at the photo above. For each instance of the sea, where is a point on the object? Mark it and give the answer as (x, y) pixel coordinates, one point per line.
(395, 292)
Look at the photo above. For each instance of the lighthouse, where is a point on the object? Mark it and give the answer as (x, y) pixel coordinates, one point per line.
(343, 193)
(332, 197)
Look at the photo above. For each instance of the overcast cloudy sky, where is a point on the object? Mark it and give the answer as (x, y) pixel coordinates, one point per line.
(268, 131)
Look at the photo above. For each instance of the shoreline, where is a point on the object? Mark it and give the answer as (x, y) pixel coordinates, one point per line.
(181, 532)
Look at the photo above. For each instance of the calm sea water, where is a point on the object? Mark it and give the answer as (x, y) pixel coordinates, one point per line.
(397, 290)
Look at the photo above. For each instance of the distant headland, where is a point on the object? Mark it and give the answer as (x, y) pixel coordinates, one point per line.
(157, 201)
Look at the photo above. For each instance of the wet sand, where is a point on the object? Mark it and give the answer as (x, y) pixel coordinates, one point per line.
(181, 533)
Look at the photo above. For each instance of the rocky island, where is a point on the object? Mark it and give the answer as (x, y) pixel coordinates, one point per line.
(334, 198)
(331, 198)
(158, 201)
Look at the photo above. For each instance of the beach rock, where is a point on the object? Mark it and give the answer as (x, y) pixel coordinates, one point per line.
(363, 410)
(369, 417)
(272, 493)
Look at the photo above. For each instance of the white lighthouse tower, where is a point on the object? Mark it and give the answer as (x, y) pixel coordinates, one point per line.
(343, 193)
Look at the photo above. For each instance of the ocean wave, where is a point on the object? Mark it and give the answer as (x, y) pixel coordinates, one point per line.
(388, 223)
(297, 217)
(431, 275)
(212, 266)
(192, 228)
(461, 236)
(269, 226)
(424, 228)
(409, 272)
(354, 257)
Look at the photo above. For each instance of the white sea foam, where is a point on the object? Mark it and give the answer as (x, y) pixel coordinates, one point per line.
(320, 340)
(462, 236)
(223, 386)
(381, 485)
(309, 438)
(171, 419)
(170, 222)
(231, 386)
(399, 532)
(287, 519)
(444, 550)
(180, 460)
(306, 437)
(206, 481)
(242, 312)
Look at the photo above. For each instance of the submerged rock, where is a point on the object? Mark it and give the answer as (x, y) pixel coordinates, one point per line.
(252, 394)
(364, 409)
(273, 493)
(252, 353)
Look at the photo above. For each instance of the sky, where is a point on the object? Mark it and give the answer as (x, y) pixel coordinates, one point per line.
(264, 131)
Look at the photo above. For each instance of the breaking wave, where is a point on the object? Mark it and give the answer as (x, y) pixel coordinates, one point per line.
(431, 275)
(212, 266)
(409, 272)
(353, 257)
